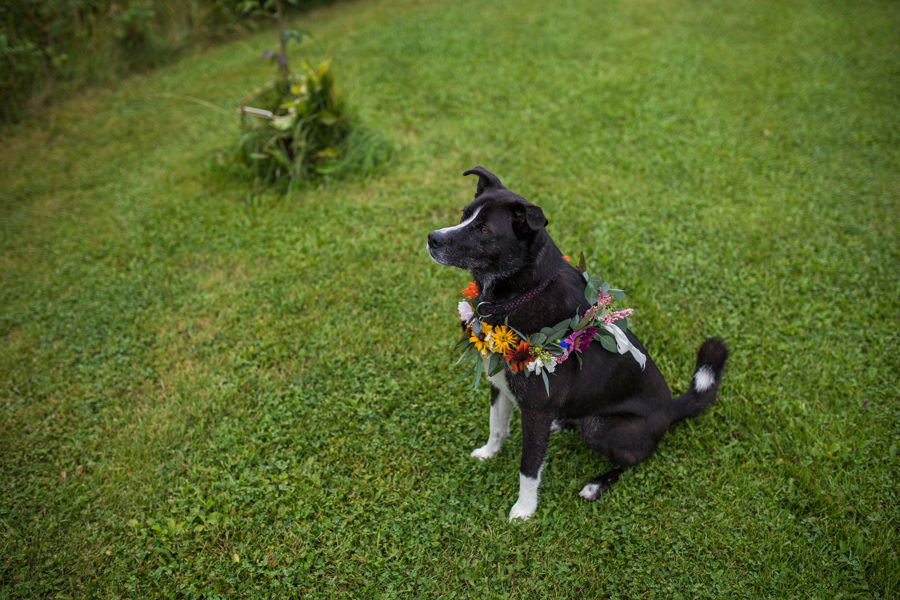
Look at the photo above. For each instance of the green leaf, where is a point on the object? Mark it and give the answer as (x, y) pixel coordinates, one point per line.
(463, 376)
(467, 353)
(327, 118)
(583, 323)
(546, 381)
(284, 122)
(280, 158)
(328, 153)
(294, 34)
(609, 343)
(478, 370)
(494, 364)
(582, 266)
(617, 294)
(557, 334)
(591, 291)
(521, 335)
(537, 339)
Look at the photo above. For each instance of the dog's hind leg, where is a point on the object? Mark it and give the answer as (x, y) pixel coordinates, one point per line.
(560, 425)
(501, 411)
(595, 487)
(624, 439)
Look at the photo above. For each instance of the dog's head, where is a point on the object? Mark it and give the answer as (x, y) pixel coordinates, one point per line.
(494, 234)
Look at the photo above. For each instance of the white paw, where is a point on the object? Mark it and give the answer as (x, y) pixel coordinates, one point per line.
(522, 510)
(486, 451)
(590, 491)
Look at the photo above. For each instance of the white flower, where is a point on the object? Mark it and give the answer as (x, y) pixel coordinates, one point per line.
(543, 361)
(465, 311)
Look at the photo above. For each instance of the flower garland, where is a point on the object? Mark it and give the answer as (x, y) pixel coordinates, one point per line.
(501, 346)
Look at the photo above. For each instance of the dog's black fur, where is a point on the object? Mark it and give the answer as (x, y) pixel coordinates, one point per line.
(620, 410)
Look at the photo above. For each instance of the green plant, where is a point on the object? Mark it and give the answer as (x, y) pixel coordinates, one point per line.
(299, 128)
(305, 127)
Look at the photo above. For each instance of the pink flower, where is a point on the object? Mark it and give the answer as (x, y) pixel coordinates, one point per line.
(616, 315)
(465, 311)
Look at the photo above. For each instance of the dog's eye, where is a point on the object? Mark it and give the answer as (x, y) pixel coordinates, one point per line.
(485, 230)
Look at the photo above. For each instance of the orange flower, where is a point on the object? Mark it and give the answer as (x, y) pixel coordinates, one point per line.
(471, 291)
(518, 357)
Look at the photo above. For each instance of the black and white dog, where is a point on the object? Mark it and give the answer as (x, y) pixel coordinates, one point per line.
(620, 409)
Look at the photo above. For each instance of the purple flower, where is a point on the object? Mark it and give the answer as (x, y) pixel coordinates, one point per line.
(586, 337)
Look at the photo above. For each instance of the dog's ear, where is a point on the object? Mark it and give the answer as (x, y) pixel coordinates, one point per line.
(528, 215)
(486, 179)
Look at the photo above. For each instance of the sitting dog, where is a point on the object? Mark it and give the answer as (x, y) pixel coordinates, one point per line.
(620, 408)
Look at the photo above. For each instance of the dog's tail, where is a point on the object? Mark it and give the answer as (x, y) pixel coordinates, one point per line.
(707, 376)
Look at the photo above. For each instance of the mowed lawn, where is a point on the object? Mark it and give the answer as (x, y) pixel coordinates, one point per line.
(211, 393)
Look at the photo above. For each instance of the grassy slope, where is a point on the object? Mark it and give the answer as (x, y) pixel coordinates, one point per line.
(207, 392)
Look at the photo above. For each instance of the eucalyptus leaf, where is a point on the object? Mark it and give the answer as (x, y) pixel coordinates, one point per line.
(562, 325)
(537, 339)
(546, 381)
(467, 353)
(494, 364)
(478, 369)
(557, 334)
(609, 343)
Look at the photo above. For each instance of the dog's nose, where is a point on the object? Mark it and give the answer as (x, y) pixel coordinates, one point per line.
(435, 239)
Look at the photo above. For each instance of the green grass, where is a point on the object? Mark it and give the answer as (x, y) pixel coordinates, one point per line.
(211, 393)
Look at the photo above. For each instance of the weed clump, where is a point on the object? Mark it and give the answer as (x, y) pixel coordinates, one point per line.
(299, 129)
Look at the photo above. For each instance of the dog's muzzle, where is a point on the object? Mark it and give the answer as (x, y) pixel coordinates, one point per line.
(436, 244)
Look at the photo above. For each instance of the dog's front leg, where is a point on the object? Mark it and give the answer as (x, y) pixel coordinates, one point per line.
(501, 410)
(535, 434)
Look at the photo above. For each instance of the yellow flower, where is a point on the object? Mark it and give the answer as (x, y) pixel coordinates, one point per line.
(502, 339)
(479, 340)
